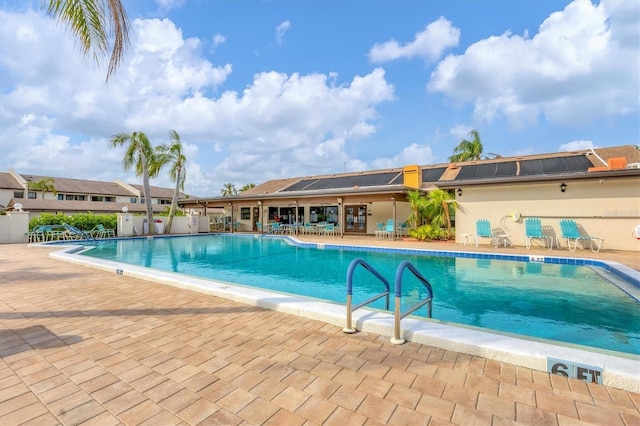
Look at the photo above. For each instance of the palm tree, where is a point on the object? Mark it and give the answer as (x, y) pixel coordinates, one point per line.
(439, 205)
(468, 150)
(138, 154)
(95, 23)
(173, 155)
(247, 187)
(229, 190)
(44, 185)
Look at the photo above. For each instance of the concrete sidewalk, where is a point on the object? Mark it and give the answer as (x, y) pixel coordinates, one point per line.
(83, 346)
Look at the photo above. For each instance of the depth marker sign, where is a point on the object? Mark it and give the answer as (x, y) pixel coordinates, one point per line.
(574, 370)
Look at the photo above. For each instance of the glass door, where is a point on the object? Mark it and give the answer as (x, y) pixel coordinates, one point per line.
(355, 219)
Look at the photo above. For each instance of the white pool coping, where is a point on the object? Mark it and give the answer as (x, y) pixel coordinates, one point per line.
(618, 371)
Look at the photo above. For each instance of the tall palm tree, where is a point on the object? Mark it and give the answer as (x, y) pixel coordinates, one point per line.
(95, 23)
(44, 185)
(468, 150)
(139, 155)
(173, 155)
(229, 190)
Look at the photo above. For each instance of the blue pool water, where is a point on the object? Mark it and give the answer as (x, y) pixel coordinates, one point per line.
(565, 303)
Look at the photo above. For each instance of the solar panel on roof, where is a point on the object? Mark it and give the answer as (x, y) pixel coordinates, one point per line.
(558, 165)
(432, 175)
(483, 171)
(299, 186)
(374, 179)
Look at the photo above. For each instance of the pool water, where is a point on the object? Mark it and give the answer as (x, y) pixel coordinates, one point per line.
(565, 303)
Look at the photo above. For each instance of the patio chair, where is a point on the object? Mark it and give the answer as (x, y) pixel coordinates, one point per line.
(402, 230)
(570, 233)
(380, 231)
(273, 228)
(533, 231)
(308, 229)
(483, 230)
(330, 229)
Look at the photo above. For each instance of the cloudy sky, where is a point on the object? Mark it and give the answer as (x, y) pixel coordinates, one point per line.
(260, 90)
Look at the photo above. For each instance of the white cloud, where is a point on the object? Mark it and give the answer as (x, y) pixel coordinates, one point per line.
(412, 154)
(57, 113)
(576, 146)
(217, 40)
(428, 44)
(581, 66)
(165, 6)
(281, 29)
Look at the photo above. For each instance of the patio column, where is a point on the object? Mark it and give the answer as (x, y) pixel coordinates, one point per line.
(393, 207)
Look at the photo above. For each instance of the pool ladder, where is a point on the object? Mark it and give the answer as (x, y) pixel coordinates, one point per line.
(398, 315)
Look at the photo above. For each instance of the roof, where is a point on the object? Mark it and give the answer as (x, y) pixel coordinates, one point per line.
(558, 165)
(158, 192)
(82, 186)
(8, 182)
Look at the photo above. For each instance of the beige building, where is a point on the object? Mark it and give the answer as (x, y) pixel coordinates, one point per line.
(598, 188)
(77, 195)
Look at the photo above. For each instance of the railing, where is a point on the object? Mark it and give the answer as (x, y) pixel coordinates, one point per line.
(349, 328)
(397, 336)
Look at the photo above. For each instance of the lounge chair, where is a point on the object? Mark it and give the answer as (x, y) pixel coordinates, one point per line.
(533, 231)
(571, 234)
(483, 230)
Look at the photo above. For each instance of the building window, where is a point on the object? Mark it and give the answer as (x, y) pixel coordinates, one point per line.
(245, 213)
(133, 200)
(323, 214)
(74, 197)
(96, 198)
(109, 199)
(18, 194)
(31, 195)
(164, 201)
(61, 197)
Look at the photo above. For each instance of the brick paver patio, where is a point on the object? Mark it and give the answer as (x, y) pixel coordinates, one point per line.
(83, 346)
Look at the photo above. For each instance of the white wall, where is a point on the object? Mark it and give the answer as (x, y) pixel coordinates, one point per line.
(14, 227)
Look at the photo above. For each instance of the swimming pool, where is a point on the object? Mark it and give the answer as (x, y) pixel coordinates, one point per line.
(564, 303)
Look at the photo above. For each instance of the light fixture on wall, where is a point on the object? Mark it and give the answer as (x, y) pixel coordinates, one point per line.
(259, 202)
(125, 209)
(459, 192)
(339, 200)
(563, 187)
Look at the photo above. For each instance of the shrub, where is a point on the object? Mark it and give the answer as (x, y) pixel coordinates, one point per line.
(428, 232)
(82, 221)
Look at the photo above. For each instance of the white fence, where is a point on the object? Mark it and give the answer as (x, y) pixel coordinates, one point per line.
(14, 226)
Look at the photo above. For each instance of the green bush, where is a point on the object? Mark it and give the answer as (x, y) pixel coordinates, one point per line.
(82, 221)
(429, 232)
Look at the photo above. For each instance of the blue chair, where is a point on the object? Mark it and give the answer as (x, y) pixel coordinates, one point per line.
(533, 231)
(483, 230)
(330, 229)
(570, 233)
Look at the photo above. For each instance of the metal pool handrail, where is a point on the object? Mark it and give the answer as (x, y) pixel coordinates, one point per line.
(352, 266)
(397, 337)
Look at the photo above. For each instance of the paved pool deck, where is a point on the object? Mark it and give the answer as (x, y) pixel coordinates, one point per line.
(85, 346)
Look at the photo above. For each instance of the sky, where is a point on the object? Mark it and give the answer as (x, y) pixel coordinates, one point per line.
(261, 90)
